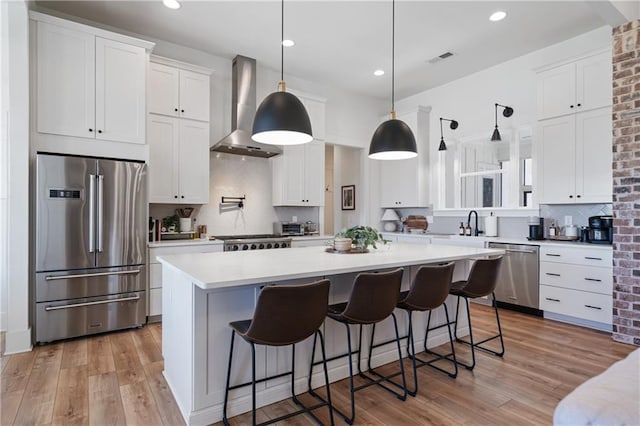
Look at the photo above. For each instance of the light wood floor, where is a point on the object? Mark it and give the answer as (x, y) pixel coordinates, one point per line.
(116, 379)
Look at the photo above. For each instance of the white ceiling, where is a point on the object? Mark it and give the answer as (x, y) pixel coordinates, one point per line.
(341, 43)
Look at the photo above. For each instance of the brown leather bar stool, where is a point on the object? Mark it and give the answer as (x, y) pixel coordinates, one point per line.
(284, 315)
(373, 299)
(429, 290)
(482, 281)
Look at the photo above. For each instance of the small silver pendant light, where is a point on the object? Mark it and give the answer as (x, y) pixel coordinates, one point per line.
(281, 119)
(393, 139)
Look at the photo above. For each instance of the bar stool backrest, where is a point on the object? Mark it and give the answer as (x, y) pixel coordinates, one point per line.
(430, 287)
(287, 314)
(374, 296)
(483, 276)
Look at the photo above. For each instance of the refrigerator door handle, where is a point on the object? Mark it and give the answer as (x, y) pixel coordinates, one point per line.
(100, 211)
(97, 274)
(92, 213)
(101, 302)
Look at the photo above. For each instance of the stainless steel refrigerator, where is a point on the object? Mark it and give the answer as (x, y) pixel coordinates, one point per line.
(91, 233)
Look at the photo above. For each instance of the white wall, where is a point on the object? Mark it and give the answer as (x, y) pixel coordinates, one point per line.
(18, 337)
(470, 100)
(347, 171)
(4, 160)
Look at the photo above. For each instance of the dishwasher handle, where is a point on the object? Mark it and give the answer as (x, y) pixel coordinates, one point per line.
(520, 251)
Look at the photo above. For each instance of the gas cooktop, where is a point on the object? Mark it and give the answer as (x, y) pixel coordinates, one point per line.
(253, 242)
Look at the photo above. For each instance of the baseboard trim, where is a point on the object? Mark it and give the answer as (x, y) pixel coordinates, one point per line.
(18, 341)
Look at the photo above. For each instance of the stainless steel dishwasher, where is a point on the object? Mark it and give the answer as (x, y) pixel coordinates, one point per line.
(518, 281)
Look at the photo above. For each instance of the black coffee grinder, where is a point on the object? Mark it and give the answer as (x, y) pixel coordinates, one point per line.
(536, 228)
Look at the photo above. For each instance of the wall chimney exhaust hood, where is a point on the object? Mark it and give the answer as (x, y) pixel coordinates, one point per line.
(243, 110)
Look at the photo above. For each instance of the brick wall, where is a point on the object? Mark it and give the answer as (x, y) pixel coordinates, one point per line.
(626, 183)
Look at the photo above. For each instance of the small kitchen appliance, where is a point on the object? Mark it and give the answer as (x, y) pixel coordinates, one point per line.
(288, 228)
(601, 229)
(310, 228)
(536, 228)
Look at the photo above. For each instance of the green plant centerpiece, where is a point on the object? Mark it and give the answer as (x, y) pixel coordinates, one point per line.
(362, 236)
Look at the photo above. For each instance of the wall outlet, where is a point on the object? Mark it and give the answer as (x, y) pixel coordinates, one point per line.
(294, 219)
(568, 220)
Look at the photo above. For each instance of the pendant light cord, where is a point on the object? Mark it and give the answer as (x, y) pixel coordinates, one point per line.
(281, 40)
(497, 115)
(393, 54)
(441, 136)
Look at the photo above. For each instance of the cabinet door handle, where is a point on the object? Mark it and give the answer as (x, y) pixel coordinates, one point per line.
(593, 307)
(175, 196)
(91, 130)
(181, 110)
(570, 106)
(570, 196)
(552, 274)
(552, 300)
(99, 131)
(182, 196)
(593, 279)
(592, 258)
(552, 255)
(579, 104)
(578, 196)
(175, 109)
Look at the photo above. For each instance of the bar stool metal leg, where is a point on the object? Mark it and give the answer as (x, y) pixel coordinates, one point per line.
(225, 420)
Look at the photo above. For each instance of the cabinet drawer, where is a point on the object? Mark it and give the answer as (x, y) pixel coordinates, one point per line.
(578, 304)
(155, 275)
(586, 278)
(155, 302)
(577, 255)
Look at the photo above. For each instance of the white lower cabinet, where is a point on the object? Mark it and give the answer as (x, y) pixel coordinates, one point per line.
(154, 289)
(576, 285)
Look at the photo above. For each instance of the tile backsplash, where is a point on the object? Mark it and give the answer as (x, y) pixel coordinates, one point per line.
(579, 213)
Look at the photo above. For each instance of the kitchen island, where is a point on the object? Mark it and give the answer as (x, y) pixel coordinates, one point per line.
(203, 292)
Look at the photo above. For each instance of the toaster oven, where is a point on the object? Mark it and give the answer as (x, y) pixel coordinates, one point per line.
(288, 228)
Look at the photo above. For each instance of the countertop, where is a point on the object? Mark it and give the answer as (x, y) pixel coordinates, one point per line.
(233, 269)
(507, 240)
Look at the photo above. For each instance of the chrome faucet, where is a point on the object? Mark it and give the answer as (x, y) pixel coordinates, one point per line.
(475, 228)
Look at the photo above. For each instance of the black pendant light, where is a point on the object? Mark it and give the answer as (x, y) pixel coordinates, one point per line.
(281, 119)
(393, 139)
(507, 112)
(453, 124)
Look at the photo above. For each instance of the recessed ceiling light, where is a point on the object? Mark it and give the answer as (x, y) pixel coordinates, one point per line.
(498, 16)
(378, 73)
(171, 4)
(288, 43)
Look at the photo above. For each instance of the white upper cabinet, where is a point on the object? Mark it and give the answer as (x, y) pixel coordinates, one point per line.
(163, 93)
(315, 107)
(120, 96)
(575, 87)
(178, 160)
(298, 175)
(405, 183)
(178, 92)
(88, 83)
(574, 132)
(65, 81)
(575, 154)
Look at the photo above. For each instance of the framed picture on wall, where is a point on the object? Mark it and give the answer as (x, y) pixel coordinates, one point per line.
(349, 197)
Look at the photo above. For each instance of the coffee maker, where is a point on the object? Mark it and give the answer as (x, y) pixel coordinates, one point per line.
(536, 228)
(601, 229)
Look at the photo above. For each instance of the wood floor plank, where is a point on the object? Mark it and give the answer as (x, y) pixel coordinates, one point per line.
(74, 353)
(15, 374)
(9, 406)
(148, 350)
(162, 395)
(99, 355)
(105, 402)
(72, 401)
(156, 331)
(126, 359)
(139, 405)
(36, 407)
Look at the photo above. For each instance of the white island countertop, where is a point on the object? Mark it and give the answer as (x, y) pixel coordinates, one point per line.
(211, 271)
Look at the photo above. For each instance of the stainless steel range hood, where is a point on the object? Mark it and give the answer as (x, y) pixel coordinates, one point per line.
(243, 110)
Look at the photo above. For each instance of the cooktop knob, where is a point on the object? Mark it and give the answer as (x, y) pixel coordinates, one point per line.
(235, 247)
(261, 246)
(253, 247)
(276, 245)
(245, 247)
(269, 245)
